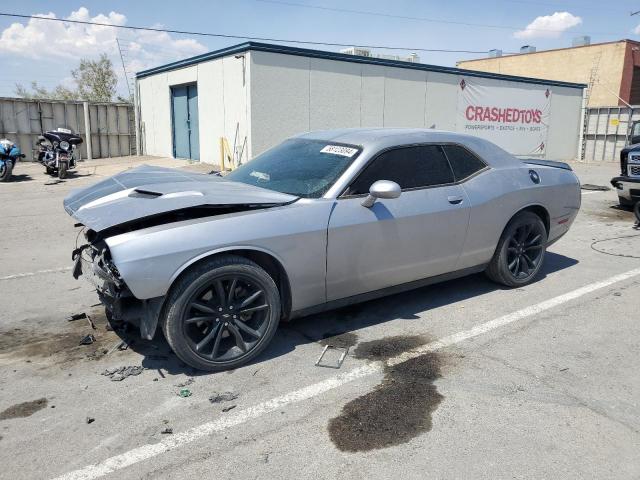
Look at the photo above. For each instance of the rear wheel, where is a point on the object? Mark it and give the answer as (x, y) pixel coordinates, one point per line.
(520, 251)
(222, 314)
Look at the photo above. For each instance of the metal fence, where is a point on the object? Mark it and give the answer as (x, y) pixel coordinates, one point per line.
(111, 126)
(606, 131)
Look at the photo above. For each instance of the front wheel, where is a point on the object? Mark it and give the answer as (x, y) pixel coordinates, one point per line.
(222, 313)
(520, 251)
(62, 170)
(6, 169)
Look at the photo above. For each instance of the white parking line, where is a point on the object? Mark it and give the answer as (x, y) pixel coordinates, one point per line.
(148, 451)
(589, 192)
(38, 272)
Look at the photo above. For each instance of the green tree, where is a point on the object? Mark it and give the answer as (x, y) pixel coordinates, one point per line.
(95, 81)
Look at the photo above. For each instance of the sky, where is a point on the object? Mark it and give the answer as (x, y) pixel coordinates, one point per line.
(46, 52)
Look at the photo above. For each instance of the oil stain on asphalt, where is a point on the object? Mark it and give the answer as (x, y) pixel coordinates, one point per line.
(399, 408)
(22, 410)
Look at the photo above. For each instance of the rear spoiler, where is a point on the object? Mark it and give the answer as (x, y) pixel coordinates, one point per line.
(547, 163)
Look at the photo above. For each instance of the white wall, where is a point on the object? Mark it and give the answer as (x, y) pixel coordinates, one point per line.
(564, 128)
(293, 94)
(222, 107)
(283, 95)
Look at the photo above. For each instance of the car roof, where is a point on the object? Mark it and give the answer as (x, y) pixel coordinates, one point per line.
(376, 139)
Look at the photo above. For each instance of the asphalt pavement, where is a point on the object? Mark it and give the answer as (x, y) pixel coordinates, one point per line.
(459, 380)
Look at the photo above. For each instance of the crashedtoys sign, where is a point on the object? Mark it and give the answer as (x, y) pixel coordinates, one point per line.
(512, 115)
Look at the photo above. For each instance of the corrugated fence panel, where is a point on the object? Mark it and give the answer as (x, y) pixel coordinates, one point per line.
(112, 126)
(606, 132)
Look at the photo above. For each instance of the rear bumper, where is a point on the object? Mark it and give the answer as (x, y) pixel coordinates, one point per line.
(628, 188)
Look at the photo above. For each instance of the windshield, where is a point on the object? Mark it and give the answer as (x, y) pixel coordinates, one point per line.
(304, 168)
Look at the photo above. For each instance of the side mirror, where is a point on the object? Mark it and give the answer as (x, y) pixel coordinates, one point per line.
(381, 189)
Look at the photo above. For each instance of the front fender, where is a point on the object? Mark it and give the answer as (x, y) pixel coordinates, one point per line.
(150, 260)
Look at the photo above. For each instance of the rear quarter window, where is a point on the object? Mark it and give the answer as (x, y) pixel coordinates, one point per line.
(463, 162)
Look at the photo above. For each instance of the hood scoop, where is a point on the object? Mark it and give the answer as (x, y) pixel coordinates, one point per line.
(144, 192)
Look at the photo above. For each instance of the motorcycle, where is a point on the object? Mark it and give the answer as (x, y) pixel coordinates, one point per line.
(57, 151)
(9, 155)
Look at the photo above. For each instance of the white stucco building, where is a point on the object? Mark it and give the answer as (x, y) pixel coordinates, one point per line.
(254, 95)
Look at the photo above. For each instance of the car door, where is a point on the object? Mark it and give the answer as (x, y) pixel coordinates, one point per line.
(417, 235)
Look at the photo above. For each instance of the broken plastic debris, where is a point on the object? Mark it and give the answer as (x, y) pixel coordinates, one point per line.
(76, 316)
(187, 382)
(185, 392)
(226, 409)
(167, 430)
(337, 363)
(88, 339)
(118, 374)
(223, 397)
(90, 420)
(119, 345)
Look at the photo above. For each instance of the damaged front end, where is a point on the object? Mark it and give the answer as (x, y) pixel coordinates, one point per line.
(93, 262)
(141, 199)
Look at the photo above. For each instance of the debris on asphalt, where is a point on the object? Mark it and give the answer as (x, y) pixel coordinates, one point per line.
(564, 369)
(91, 324)
(336, 363)
(118, 374)
(231, 407)
(597, 188)
(186, 383)
(88, 339)
(167, 431)
(185, 392)
(223, 397)
(119, 345)
(76, 316)
(90, 420)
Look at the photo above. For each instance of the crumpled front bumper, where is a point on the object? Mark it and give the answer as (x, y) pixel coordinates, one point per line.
(118, 300)
(628, 188)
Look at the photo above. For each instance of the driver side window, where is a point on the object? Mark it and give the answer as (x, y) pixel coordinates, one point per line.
(410, 167)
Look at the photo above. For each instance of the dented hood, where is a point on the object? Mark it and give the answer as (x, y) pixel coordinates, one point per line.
(146, 191)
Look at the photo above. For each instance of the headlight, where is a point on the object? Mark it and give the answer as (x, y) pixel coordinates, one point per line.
(64, 145)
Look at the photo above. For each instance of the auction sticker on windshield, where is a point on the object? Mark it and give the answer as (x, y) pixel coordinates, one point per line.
(340, 150)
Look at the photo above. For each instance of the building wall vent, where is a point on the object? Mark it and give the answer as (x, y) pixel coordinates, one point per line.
(581, 41)
(495, 53)
(527, 49)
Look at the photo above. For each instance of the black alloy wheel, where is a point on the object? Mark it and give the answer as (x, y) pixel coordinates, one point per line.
(222, 314)
(525, 250)
(520, 251)
(226, 318)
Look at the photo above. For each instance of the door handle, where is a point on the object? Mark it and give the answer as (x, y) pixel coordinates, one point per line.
(454, 199)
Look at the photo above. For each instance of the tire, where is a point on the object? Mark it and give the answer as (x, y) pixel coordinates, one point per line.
(520, 251)
(62, 170)
(625, 202)
(212, 344)
(636, 211)
(5, 172)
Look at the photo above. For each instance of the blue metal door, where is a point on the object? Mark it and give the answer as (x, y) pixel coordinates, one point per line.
(184, 108)
(194, 138)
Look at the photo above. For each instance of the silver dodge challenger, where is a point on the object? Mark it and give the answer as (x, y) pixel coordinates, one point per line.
(322, 220)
